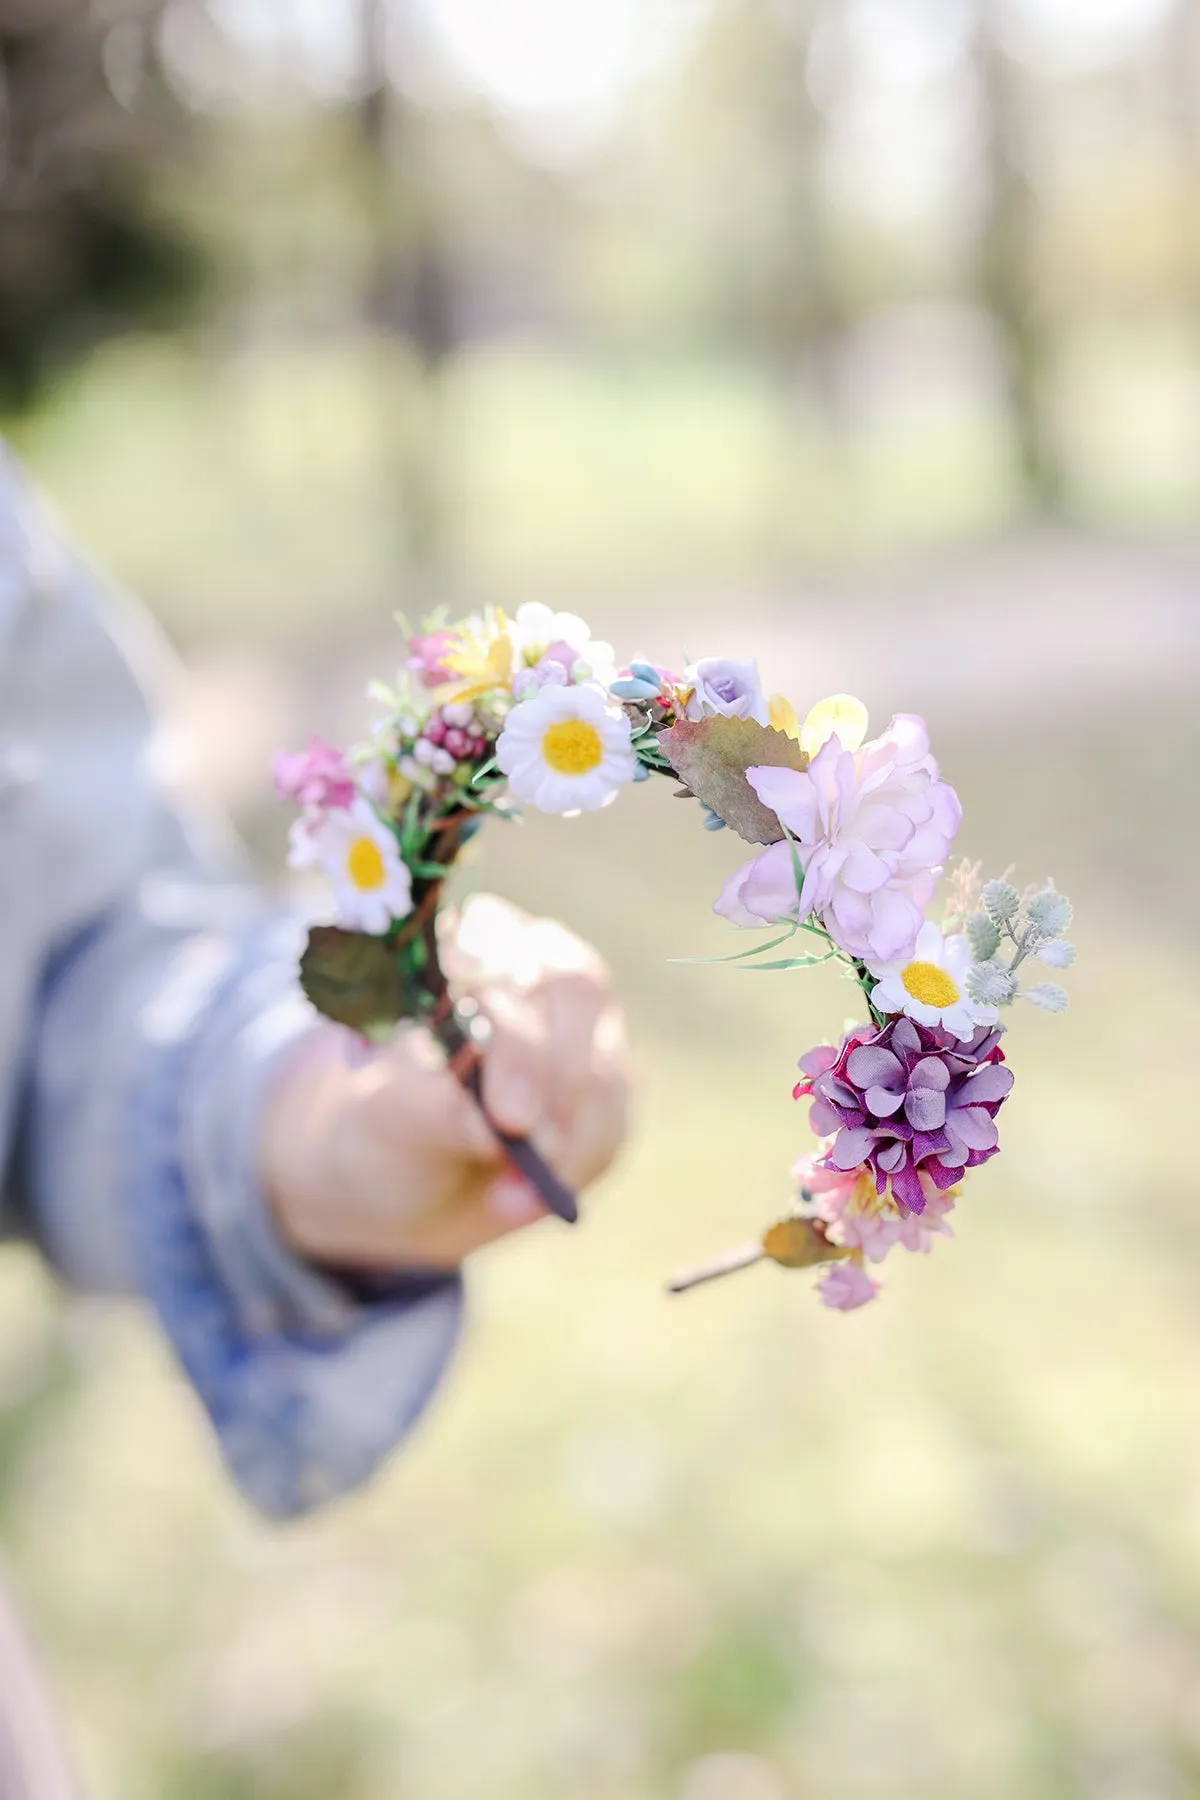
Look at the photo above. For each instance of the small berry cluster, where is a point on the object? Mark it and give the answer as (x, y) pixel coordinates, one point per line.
(451, 735)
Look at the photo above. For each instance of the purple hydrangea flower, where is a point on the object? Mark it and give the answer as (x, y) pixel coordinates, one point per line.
(908, 1100)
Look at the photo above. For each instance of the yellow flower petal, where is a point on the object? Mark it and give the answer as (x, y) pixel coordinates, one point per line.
(783, 716)
(482, 661)
(841, 713)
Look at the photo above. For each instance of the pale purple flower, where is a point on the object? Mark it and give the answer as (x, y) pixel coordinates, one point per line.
(872, 829)
(731, 690)
(906, 1102)
(318, 777)
(846, 1285)
(554, 668)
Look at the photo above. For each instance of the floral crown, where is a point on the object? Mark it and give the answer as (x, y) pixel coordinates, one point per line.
(852, 837)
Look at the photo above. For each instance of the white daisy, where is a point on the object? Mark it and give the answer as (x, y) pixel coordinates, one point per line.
(537, 629)
(360, 855)
(931, 987)
(566, 750)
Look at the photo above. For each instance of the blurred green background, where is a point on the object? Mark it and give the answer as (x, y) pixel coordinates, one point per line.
(860, 335)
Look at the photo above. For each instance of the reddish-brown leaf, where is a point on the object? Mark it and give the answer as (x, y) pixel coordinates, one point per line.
(712, 756)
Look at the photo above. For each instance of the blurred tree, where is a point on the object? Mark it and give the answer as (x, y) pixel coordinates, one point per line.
(409, 289)
(1005, 263)
(84, 120)
(1181, 44)
(746, 124)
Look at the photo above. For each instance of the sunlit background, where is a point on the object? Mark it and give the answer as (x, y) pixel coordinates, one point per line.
(860, 335)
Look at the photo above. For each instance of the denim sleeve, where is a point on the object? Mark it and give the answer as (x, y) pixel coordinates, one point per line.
(145, 1002)
(156, 1052)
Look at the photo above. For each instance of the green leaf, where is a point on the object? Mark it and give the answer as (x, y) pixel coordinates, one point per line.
(712, 755)
(740, 955)
(427, 871)
(788, 962)
(352, 978)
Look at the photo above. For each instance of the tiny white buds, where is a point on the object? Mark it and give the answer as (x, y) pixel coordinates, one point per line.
(1001, 901)
(1048, 995)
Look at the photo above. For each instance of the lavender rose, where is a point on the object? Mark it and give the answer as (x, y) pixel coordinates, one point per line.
(731, 689)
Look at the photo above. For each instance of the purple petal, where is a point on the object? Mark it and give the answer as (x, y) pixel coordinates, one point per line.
(906, 1038)
(925, 1108)
(928, 1143)
(882, 1102)
(819, 1061)
(890, 1156)
(981, 1156)
(839, 1093)
(823, 1119)
(991, 1083)
(850, 1148)
(930, 1072)
(943, 1174)
(971, 1126)
(908, 1190)
(872, 1066)
(953, 1157)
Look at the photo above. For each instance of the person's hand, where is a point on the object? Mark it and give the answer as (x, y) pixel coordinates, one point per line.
(384, 1161)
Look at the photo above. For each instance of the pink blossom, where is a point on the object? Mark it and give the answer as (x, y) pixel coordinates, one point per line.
(872, 831)
(918, 1230)
(846, 1285)
(846, 1200)
(427, 654)
(316, 777)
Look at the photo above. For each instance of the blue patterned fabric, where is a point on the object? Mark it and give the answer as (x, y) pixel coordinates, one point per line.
(146, 998)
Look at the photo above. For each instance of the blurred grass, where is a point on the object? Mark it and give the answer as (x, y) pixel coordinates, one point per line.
(946, 1547)
(254, 494)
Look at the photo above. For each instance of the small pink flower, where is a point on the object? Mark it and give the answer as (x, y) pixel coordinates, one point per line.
(918, 1230)
(847, 1201)
(426, 657)
(316, 777)
(845, 1286)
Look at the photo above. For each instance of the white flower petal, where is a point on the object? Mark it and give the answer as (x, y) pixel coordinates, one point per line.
(931, 945)
(924, 1015)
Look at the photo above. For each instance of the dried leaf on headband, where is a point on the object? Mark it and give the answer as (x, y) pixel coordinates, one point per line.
(800, 1243)
(712, 756)
(352, 978)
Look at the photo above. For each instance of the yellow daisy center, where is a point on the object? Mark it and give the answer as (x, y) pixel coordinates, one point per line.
(572, 747)
(364, 864)
(929, 984)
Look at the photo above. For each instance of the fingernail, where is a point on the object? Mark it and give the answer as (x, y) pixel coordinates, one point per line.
(514, 1202)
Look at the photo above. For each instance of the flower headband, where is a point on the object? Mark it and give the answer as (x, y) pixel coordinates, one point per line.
(852, 838)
